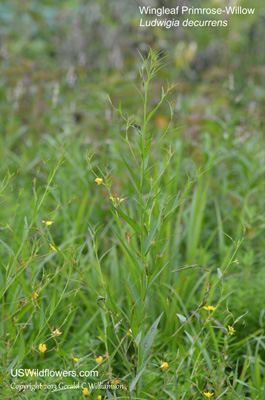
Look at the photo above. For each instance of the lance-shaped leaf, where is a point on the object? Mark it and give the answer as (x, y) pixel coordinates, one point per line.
(164, 98)
(21, 351)
(171, 395)
(149, 338)
(151, 235)
(159, 272)
(130, 221)
(146, 345)
(134, 177)
(138, 376)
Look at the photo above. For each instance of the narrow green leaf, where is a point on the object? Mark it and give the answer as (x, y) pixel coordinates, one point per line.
(137, 377)
(110, 395)
(221, 395)
(2, 281)
(52, 304)
(175, 205)
(132, 258)
(112, 305)
(21, 350)
(258, 378)
(130, 221)
(7, 247)
(245, 384)
(134, 177)
(151, 383)
(190, 337)
(148, 240)
(2, 329)
(138, 338)
(157, 107)
(26, 229)
(146, 162)
(181, 318)
(41, 320)
(134, 292)
(170, 394)
(161, 253)
(138, 91)
(157, 275)
(240, 317)
(121, 137)
(148, 144)
(149, 338)
(13, 363)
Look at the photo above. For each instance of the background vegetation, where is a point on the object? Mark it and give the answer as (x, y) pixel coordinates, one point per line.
(177, 223)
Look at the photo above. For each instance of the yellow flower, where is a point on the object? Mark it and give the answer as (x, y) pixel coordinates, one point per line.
(52, 247)
(99, 181)
(99, 359)
(47, 223)
(35, 296)
(115, 382)
(57, 332)
(99, 397)
(164, 365)
(208, 394)
(85, 392)
(116, 199)
(231, 330)
(76, 359)
(209, 308)
(42, 347)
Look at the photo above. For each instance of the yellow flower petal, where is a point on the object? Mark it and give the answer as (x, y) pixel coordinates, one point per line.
(231, 330)
(35, 296)
(85, 392)
(47, 223)
(208, 394)
(209, 308)
(99, 181)
(164, 365)
(99, 397)
(99, 359)
(57, 332)
(76, 359)
(42, 347)
(116, 199)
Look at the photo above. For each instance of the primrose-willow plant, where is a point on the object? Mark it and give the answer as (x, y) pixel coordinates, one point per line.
(143, 244)
(142, 235)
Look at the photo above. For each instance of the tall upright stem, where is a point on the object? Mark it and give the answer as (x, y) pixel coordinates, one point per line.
(143, 171)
